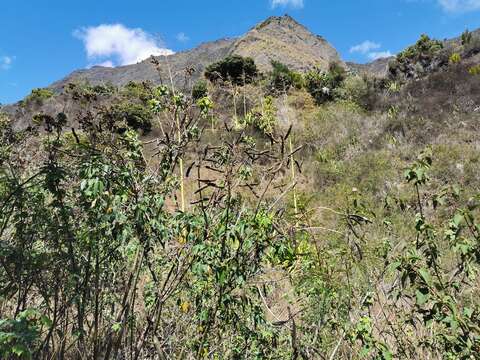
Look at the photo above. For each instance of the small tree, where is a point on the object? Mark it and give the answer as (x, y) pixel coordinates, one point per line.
(466, 37)
(281, 78)
(321, 85)
(414, 60)
(237, 69)
(38, 96)
(135, 116)
(199, 90)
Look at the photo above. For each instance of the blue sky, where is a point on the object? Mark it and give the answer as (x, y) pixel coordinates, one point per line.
(43, 41)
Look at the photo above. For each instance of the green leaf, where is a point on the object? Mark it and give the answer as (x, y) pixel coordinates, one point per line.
(422, 297)
(387, 355)
(20, 350)
(46, 321)
(394, 266)
(425, 275)
(468, 312)
(458, 219)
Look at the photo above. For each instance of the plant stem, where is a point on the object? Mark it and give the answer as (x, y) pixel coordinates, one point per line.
(292, 162)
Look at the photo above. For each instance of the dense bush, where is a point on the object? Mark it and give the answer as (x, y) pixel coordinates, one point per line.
(455, 58)
(235, 68)
(281, 79)
(474, 70)
(466, 37)
(100, 261)
(322, 85)
(419, 59)
(472, 47)
(356, 89)
(263, 117)
(424, 48)
(136, 116)
(38, 96)
(138, 90)
(199, 90)
(87, 92)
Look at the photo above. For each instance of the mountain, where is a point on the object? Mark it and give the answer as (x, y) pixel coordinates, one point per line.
(378, 68)
(285, 40)
(277, 38)
(198, 58)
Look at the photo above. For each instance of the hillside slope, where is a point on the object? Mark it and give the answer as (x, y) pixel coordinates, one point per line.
(277, 38)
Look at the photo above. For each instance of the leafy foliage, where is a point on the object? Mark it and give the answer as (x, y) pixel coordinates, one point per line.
(18, 336)
(474, 70)
(38, 96)
(199, 90)
(89, 230)
(264, 118)
(281, 79)
(199, 243)
(455, 58)
(237, 69)
(136, 116)
(466, 37)
(418, 59)
(321, 85)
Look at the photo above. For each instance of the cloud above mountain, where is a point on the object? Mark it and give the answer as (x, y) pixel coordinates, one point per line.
(298, 4)
(367, 48)
(459, 5)
(375, 55)
(6, 62)
(182, 37)
(115, 44)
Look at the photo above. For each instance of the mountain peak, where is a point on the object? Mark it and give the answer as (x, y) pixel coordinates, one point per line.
(285, 20)
(283, 39)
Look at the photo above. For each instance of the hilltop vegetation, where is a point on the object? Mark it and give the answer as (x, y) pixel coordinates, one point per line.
(278, 214)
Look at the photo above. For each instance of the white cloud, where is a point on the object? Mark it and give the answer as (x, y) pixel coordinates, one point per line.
(107, 63)
(6, 62)
(375, 55)
(293, 3)
(459, 5)
(115, 44)
(365, 47)
(182, 37)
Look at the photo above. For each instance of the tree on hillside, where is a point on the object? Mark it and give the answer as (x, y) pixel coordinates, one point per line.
(235, 68)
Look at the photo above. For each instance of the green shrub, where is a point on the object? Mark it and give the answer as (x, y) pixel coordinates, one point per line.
(19, 336)
(474, 70)
(85, 91)
(472, 47)
(136, 116)
(466, 37)
(267, 121)
(199, 90)
(139, 90)
(354, 88)
(455, 58)
(237, 69)
(38, 96)
(413, 61)
(322, 85)
(424, 47)
(263, 118)
(337, 73)
(281, 78)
